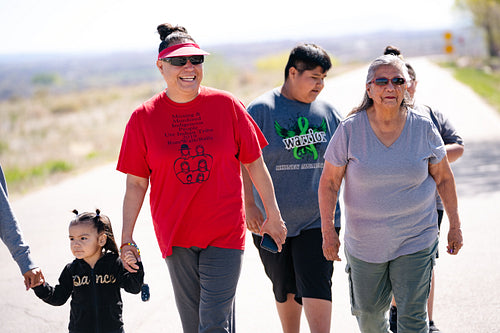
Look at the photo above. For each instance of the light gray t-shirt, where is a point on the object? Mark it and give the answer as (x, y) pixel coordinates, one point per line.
(389, 195)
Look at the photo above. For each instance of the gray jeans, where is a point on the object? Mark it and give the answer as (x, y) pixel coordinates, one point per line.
(204, 282)
(372, 285)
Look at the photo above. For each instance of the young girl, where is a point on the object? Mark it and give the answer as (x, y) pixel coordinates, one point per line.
(94, 278)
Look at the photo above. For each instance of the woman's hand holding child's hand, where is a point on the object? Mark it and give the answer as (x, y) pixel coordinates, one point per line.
(130, 259)
(33, 278)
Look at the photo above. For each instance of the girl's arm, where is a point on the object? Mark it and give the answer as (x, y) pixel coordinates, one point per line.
(59, 294)
(132, 282)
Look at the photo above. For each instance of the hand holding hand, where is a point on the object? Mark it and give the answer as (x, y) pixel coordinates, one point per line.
(33, 278)
(130, 258)
(130, 254)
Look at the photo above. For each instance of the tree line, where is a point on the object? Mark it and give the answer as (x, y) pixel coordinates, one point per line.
(486, 15)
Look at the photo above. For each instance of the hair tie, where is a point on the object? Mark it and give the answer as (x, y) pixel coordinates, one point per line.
(97, 212)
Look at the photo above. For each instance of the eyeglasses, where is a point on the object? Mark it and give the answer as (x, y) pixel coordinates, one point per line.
(383, 81)
(181, 61)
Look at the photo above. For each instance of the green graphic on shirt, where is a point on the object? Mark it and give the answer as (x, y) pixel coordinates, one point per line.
(301, 139)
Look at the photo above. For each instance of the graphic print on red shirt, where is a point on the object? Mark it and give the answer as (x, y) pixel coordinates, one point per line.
(193, 168)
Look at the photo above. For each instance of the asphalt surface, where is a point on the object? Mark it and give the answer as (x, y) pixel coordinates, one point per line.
(467, 285)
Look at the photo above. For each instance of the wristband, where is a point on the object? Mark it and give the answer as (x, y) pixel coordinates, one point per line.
(131, 244)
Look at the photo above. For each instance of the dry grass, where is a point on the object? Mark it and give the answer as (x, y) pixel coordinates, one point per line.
(48, 136)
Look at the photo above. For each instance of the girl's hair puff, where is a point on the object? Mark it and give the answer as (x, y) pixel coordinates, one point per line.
(102, 224)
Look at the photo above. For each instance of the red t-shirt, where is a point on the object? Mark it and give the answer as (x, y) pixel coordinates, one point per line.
(192, 152)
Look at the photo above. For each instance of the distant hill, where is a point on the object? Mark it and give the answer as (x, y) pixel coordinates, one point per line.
(366, 47)
(23, 75)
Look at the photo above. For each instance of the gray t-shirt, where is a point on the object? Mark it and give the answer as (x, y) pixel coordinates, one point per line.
(389, 195)
(298, 134)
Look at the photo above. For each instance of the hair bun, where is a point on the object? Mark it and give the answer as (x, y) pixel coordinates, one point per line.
(166, 29)
(392, 50)
(75, 211)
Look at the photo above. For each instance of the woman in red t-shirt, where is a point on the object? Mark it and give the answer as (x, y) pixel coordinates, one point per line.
(189, 141)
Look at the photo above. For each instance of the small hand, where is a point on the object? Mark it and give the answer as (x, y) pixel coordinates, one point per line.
(130, 256)
(33, 278)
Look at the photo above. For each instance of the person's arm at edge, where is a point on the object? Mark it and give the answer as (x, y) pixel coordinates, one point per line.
(12, 236)
(274, 224)
(453, 142)
(136, 188)
(454, 151)
(329, 186)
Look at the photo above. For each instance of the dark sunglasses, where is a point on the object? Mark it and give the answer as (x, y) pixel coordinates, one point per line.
(181, 61)
(383, 81)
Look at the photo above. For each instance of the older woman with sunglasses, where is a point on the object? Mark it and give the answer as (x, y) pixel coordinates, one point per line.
(188, 141)
(392, 160)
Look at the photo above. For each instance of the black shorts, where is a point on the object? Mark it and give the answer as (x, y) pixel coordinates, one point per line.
(300, 268)
(440, 218)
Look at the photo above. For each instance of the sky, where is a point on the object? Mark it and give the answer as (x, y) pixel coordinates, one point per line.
(69, 26)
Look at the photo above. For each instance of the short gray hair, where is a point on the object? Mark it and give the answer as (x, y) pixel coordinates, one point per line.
(385, 60)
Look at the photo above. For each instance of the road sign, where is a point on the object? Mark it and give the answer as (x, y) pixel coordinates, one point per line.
(448, 46)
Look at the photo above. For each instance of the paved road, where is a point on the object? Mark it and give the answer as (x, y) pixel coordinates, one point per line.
(467, 294)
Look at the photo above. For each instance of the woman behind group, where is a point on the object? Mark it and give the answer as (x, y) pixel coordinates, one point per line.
(392, 160)
(188, 141)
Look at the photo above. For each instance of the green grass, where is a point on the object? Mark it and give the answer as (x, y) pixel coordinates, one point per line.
(16, 175)
(485, 83)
